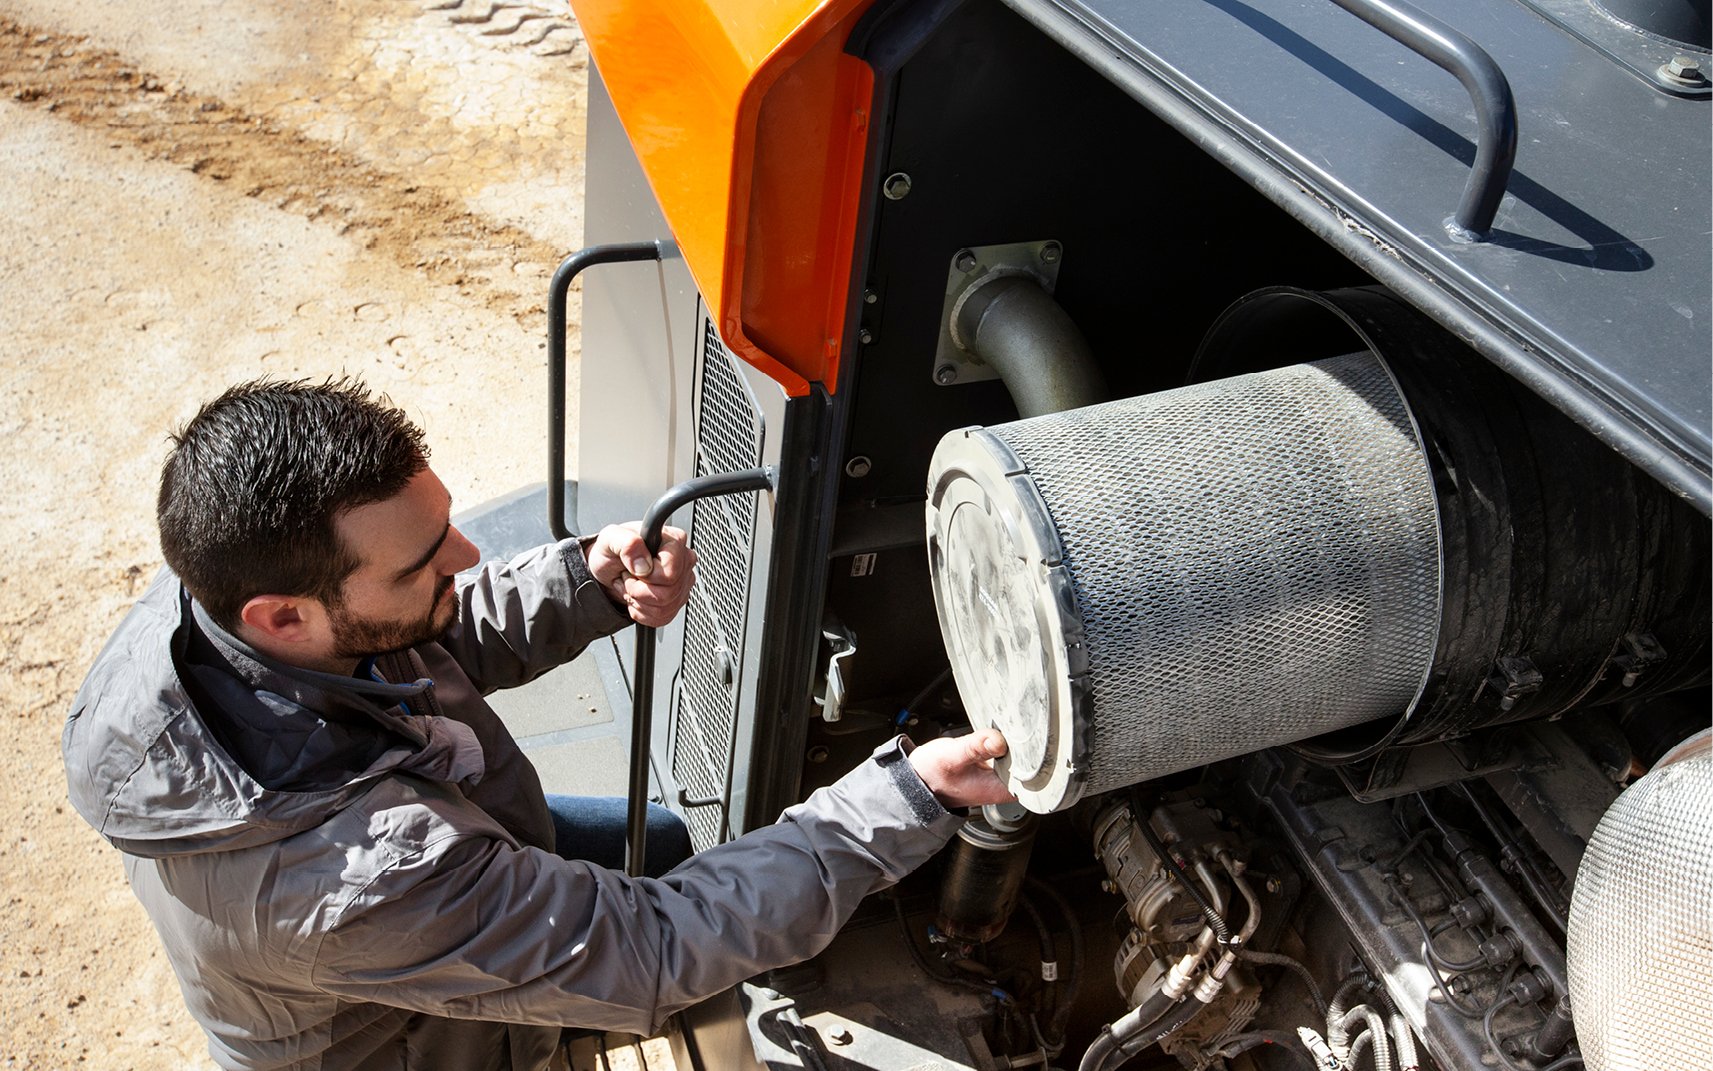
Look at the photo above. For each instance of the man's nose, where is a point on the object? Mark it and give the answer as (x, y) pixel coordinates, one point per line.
(457, 553)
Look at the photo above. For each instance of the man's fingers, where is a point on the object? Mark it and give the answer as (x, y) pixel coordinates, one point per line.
(652, 587)
(626, 544)
(986, 744)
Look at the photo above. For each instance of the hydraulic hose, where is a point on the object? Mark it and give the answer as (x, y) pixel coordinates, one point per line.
(1051, 996)
(1277, 959)
(1174, 1020)
(1136, 1021)
(1072, 978)
(921, 958)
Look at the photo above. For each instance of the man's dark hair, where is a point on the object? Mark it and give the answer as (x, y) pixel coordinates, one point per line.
(251, 488)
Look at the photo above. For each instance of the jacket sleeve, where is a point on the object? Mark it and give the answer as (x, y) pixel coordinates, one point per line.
(521, 618)
(474, 929)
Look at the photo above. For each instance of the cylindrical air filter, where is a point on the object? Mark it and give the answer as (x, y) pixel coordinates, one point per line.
(1139, 587)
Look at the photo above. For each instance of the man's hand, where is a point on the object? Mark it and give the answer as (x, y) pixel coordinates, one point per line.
(959, 769)
(652, 589)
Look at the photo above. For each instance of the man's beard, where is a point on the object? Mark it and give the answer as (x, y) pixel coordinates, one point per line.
(360, 637)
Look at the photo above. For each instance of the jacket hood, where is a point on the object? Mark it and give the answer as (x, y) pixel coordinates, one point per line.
(183, 739)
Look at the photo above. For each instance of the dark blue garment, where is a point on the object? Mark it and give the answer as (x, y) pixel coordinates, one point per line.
(592, 828)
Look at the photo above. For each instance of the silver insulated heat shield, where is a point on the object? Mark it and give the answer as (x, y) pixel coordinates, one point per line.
(1136, 588)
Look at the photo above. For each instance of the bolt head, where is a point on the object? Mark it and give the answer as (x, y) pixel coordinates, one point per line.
(841, 1036)
(858, 467)
(945, 375)
(865, 336)
(1051, 252)
(965, 261)
(896, 187)
(1684, 70)
(869, 297)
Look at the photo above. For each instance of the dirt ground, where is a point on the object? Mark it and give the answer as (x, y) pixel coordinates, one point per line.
(197, 193)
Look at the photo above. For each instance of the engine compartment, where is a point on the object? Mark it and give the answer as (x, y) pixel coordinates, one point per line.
(1076, 204)
(1400, 886)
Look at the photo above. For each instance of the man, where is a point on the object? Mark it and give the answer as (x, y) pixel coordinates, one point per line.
(349, 860)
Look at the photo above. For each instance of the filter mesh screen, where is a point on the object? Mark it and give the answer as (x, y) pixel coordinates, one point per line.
(1640, 949)
(1255, 561)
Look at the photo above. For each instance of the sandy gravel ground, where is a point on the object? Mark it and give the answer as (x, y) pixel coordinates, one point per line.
(197, 193)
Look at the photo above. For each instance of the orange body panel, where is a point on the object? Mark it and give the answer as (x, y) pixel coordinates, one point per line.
(750, 123)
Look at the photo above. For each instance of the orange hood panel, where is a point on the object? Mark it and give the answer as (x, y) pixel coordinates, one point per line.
(750, 122)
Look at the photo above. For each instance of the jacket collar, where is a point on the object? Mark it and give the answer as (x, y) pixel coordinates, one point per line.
(309, 688)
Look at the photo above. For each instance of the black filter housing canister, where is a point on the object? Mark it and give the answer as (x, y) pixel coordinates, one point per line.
(984, 873)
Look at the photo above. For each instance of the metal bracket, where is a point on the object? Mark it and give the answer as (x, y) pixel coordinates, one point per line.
(832, 699)
(978, 264)
(1641, 650)
(1513, 678)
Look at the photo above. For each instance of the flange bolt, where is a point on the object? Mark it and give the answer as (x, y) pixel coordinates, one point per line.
(1683, 70)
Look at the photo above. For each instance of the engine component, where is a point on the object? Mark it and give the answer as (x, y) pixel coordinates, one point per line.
(1641, 921)
(1350, 555)
(1402, 903)
(1135, 588)
(984, 873)
(1182, 997)
(1162, 911)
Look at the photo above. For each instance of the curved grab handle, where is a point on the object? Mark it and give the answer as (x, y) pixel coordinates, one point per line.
(1495, 110)
(557, 293)
(642, 685)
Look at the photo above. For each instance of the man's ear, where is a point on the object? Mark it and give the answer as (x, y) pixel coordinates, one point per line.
(281, 619)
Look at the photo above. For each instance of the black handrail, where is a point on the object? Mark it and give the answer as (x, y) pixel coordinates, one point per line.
(558, 292)
(642, 687)
(1495, 109)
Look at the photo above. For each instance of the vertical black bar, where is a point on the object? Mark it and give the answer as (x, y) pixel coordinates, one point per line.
(558, 292)
(642, 689)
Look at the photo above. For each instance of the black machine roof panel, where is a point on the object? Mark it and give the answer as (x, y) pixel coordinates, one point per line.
(1596, 284)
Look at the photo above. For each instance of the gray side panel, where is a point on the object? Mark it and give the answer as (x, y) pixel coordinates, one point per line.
(661, 401)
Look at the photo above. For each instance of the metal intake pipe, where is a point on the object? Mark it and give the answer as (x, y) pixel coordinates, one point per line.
(1037, 349)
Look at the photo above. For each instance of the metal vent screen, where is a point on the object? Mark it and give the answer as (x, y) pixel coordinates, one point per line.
(728, 437)
(1209, 570)
(1640, 951)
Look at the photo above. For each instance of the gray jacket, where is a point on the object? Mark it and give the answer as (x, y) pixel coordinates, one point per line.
(351, 874)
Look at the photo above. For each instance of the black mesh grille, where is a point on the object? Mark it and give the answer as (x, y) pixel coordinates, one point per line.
(728, 437)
